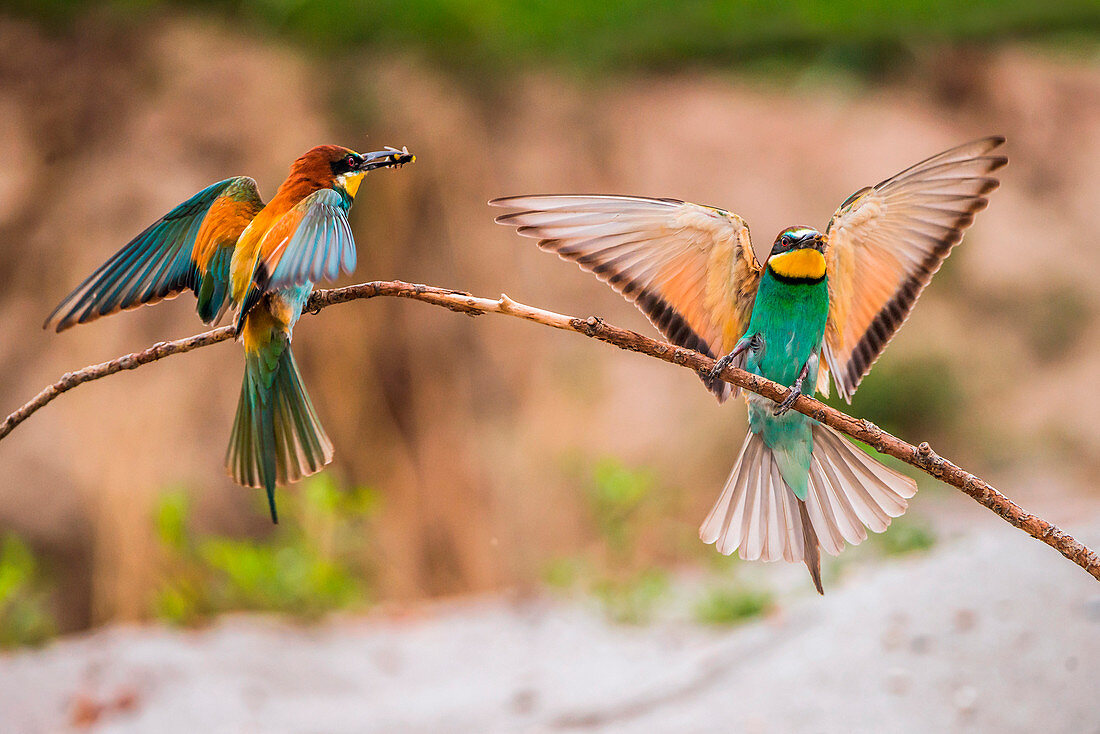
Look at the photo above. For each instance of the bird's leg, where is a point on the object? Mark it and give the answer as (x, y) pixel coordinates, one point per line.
(746, 343)
(796, 390)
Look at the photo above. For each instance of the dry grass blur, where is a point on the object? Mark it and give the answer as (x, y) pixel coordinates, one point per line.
(475, 431)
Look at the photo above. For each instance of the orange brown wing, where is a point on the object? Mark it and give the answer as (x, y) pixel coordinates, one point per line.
(689, 268)
(885, 244)
(228, 216)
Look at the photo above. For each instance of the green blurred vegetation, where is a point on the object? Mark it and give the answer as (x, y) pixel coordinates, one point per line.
(729, 606)
(615, 495)
(634, 599)
(25, 618)
(622, 504)
(905, 535)
(919, 398)
(627, 574)
(315, 561)
(494, 35)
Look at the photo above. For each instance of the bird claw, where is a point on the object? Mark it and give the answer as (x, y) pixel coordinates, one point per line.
(795, 391)
(788, 401)
(720, 366)
(754, 344)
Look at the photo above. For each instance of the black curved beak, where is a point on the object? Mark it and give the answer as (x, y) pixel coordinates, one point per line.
(390, 157)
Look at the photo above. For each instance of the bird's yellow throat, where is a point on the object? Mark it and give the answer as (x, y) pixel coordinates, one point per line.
(806, 264)
(352, 181)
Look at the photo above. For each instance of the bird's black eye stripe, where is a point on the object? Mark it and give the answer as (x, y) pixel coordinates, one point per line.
(345, 165)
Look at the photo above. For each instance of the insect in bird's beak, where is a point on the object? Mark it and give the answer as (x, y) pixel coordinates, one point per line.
(386, 158)
(812, 241)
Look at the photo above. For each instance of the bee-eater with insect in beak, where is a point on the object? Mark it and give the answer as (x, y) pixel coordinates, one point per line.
(230, 249)
(823, 303)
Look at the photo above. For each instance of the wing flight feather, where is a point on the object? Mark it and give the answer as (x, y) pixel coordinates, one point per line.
(689, 268)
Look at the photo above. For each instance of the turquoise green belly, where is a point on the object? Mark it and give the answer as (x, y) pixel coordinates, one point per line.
(791, 319)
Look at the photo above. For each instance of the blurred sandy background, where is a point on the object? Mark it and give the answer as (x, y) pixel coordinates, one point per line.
(482, 439)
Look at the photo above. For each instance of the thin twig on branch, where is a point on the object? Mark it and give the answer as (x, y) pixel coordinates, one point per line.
(922, 456)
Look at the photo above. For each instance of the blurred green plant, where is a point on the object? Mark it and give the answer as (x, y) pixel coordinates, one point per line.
(314, 561)
(565, 573)
(614, 496)
(918, 398)
(627, 573)
(906, 535)
(25, 618)
(634, 599)
(729, 606)
(500, 35)
(621, 503)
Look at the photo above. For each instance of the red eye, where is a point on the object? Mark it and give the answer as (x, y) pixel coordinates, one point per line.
(351, 161)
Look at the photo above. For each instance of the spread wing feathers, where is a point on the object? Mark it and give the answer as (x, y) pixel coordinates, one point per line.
(885, 244)
(849, 493)
(155, 265)
(689, 268)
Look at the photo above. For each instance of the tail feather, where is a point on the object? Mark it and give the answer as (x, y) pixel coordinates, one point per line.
(832, 513)
(303, 447)
(277, 437)
(867, 508)
(755, 512)
(774, 540)
(723, 524)
(861, 491)
(812, 557)
(791, 520)
(752, 543)
(848, 492)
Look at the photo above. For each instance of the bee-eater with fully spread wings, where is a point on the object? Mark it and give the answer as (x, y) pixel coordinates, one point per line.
(230, 249)
(822, 303)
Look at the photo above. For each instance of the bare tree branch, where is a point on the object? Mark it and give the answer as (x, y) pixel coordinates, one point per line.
(922, 456)
(69, 380)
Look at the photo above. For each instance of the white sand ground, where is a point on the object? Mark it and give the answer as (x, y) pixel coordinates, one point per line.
(994, 633)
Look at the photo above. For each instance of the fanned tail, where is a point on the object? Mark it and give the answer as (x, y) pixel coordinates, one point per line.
(848, 493)
(277, 437)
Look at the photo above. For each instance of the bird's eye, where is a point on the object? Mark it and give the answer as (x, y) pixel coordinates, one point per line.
(787, 239)
(351, 161)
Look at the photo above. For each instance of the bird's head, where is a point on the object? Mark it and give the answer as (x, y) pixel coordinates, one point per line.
(343, 168)
(799, 253)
